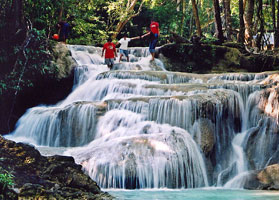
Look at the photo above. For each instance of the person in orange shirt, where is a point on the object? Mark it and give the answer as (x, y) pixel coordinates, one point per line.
(110, 53)
(154, 35)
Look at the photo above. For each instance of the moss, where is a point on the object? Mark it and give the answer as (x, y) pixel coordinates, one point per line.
(208, 58)
(200, 58)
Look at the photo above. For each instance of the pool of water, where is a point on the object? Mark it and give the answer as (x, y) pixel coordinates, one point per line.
(196, 194)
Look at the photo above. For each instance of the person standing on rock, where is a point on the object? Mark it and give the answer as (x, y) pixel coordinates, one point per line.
(110, 53)
(123, 49)
(63, 32)
(154, 35)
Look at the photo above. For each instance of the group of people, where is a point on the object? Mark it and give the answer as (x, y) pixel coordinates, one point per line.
(110, 48)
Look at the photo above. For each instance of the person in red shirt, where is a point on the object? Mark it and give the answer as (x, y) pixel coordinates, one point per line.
(110, 53)
(154, 35)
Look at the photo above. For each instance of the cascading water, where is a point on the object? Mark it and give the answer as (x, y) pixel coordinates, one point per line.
(140, 126)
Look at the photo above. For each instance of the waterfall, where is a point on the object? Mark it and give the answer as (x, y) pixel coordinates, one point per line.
(140, 126)
(73, 125)
(132, 153)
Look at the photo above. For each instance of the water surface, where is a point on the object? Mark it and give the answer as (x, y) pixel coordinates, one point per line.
(196, 194)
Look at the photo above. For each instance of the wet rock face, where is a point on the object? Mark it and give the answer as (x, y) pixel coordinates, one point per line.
(264, 112)
(55, 177)
(204, 135)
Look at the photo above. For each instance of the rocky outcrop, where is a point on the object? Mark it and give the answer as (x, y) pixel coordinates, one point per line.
(264, 108)
(270, 177)
(36, 176)
(266, 179)
(44, 90)
(186, 57)
(63, 59)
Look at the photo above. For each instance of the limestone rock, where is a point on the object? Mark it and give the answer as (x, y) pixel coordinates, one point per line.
(64, 60)
(204, 135)
(270, 176)
(216, 58)
(266, 179)
(55, 177)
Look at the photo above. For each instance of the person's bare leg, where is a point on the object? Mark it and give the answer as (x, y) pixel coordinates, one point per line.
(120, 57)
(153, 56)
(127, 58)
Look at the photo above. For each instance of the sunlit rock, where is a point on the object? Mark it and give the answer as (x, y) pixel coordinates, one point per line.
(270, 176)
(63, 59)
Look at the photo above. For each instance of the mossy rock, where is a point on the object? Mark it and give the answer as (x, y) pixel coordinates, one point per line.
(201, 58)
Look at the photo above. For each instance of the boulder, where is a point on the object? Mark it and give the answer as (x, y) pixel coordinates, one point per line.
(270, 176)
(204, 135)
(266, 179)
(63, 59)
(40, 177)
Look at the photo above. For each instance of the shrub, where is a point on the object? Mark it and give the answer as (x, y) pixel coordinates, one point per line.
(6, 180)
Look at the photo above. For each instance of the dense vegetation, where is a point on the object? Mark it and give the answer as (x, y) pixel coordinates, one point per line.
(26, 29)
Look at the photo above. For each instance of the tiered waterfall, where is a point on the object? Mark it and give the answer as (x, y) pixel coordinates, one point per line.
(140, 126)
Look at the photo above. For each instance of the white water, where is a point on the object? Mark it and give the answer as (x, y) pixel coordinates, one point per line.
(139, 126)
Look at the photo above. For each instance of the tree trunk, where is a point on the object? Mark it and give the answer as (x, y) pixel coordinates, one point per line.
(227, 4)
(218, 22)
(191, 24)
(61, 12)
(261, 19)
(273, 14)
(15, 19)
(127, 16)
(241, 23)
(249, 22)
(197, 19)
(276, 25)
(183, 5)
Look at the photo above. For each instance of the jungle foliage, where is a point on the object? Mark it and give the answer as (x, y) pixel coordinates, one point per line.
(26, 27)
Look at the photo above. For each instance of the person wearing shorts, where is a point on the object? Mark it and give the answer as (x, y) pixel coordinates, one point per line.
(123, 49)
(153, 36)
(110, 53)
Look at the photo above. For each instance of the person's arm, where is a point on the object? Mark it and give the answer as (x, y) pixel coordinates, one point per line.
(145, 35)
(134, 38)
(103, 51)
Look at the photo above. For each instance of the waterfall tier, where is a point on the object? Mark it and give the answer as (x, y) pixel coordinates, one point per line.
(140, 126)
